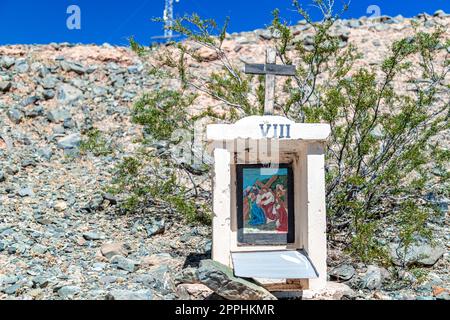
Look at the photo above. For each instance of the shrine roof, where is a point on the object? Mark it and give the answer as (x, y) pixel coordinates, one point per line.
(268, 127)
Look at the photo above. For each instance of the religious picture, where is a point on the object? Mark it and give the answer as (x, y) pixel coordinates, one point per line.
(265, 204)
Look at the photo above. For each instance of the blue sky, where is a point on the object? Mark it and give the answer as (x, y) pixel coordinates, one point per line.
(44, 21)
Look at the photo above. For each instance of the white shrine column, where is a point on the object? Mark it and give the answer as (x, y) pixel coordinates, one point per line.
(221, 207)
(316, 243)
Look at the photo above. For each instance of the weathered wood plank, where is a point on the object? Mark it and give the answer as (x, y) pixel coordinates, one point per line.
(275, 69)
(270, 83)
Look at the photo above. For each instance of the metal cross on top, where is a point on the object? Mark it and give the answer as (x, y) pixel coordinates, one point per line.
(270, 69)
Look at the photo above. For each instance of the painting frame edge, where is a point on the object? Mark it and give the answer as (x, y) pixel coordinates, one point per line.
(259, 238)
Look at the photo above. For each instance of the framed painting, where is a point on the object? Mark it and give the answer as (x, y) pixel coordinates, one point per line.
(265, 204)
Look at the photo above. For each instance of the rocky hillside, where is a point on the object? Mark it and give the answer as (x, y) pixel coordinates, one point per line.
(63, 237)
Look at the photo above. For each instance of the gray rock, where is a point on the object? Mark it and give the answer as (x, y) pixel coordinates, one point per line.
(71, 141)
(266, 34)
(373, 278)
(28, 163)
(58, 115)
(429, 24)
(17, 248)
(59, 130)
(5, 230)
(68, 94)
(15, 115)
(29, 101)
(124, 263)
(68, 292)
(308, 40)
(444, 206)
(39, 249)
(420, 254)
(21, 66)
(111, 198)
(156, 227)
(93, 236)
(426, 298)
(5, 86)
(208, 246)
(439, 13)
(5, 137)
(49, 82)
(221, 280)
(187, 275)
(48, 94)
(73, 66)
(8, 279)
(2, 176)
(185, 237)
(343, 33)
(26, 192)
(443, 296)
(72, 153)
(12, 290)
(99, 91)
(96, 202)
(130, 295)
(343, 273)
(159, 279)
(381, 27)
(40, 282)
(354, 23)
(135, 69)
(34, 111)
(335, 291)
(107, 279)
(99, 266)
(243, 40)
(43, 72)
(7, 62)
(433, 280)
(407, 276)
(45, 153)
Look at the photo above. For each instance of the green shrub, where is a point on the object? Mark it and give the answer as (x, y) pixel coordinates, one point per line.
(148, 178)
(145, 180)
(420, 274)
(162, 112)
(94, 142)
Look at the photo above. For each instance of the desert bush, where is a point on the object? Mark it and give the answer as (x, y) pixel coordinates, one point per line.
(163, 112)
(146, 180)
(385, 156)
(94, 142)
(150, 176)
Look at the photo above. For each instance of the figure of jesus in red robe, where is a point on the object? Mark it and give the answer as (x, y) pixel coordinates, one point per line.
(280, 207)
(267, 203)
(267, 196)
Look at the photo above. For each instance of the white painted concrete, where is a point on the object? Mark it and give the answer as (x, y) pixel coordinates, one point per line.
(241, 143)
(221, 207)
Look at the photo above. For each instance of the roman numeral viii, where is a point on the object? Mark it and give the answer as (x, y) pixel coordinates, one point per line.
(279, 131)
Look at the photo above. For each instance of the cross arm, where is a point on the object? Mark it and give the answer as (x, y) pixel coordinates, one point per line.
(270, 68)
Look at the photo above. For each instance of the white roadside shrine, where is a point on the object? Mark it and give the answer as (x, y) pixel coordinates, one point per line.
(245, 142)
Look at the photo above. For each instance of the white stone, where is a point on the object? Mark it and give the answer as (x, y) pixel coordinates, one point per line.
(331, 291)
